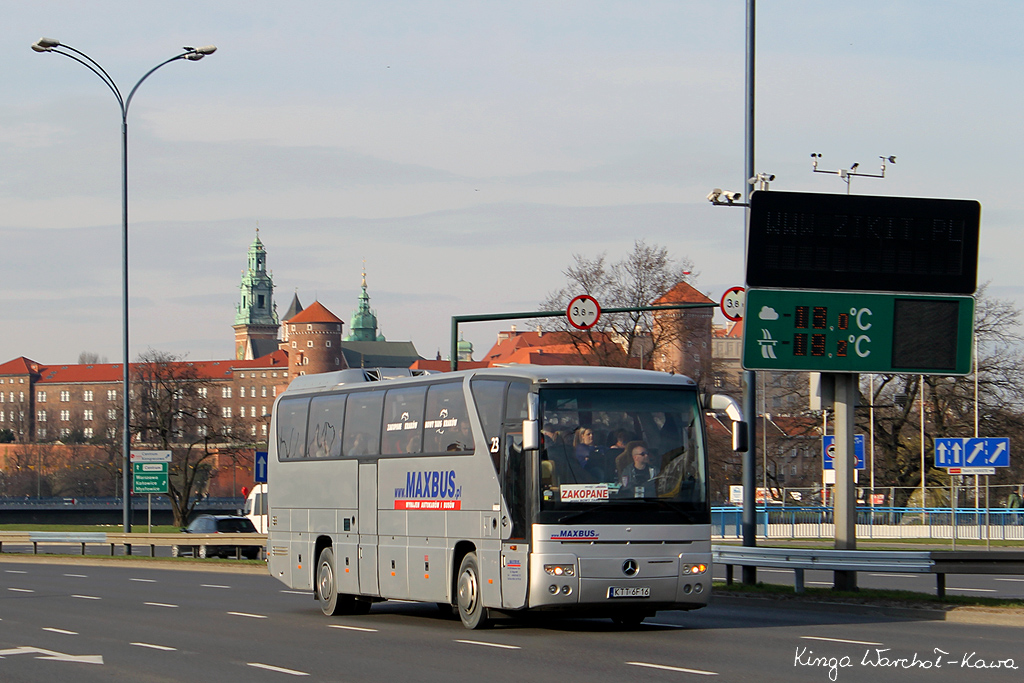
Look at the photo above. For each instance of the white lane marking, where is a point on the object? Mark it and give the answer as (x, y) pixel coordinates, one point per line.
(87, 597)
(841, 640)
(352, 628)
(77, 576)
(60, 630)
(973, 590)
(158, 604)
(144, 580)
(818, 583)
(14, 571)
(212, 585)
(655, 623)
(899, 576)
(673, 668)
(245, 614)
(1009, 579)
(279, 669)
(776, 571)
(297, 592)
(155, 647)
(480, 642)
(21, 590)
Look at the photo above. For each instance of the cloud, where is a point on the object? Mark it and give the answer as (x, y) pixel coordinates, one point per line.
(768, 313)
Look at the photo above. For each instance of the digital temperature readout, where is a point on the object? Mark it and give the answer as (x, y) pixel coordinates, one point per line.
(857, 332)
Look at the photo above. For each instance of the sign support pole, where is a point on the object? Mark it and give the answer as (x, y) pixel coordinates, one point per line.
(845, 513)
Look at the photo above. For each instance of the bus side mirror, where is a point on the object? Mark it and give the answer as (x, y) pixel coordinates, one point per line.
(531, 435)
(740, 440)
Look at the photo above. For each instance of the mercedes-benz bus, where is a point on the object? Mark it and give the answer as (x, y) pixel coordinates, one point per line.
(493, 491)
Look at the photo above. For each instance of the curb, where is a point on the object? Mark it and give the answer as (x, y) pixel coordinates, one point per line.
(121, 561)
(958, 615)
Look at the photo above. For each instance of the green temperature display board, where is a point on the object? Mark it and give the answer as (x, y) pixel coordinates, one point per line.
(857, 332)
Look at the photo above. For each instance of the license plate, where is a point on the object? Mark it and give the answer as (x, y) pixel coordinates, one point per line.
(630, 592)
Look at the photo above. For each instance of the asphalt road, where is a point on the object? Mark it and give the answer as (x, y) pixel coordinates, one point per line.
(129, 623)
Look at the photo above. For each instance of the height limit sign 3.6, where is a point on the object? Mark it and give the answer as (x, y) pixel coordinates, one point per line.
(583, 312)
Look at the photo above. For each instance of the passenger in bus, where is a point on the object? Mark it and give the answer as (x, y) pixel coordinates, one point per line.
(635, 469)
(586, 453)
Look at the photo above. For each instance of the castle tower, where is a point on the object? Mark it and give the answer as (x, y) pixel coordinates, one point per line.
(363, 327)
(256, 321)
(314, 342)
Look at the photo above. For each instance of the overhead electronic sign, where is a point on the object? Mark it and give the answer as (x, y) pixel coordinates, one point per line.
(799, 240)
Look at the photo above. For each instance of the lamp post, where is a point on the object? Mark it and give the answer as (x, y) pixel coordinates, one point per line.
(191, 54)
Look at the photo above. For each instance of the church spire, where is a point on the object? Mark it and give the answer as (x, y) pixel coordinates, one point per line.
(363, 325)
(255, 314)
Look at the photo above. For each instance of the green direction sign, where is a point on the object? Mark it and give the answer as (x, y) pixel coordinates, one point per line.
(149, 477)
(857, 332)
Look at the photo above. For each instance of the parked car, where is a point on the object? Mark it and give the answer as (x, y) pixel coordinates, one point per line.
(220, 524)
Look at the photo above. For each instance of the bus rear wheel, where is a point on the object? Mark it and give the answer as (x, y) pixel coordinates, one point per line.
(326, 588)
(470, 599)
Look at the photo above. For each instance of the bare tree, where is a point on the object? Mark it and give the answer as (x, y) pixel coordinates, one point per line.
(90, 358)
(642, 276)
(174, 409)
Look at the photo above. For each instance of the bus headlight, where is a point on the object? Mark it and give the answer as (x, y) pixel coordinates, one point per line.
(560, 569)
(695, 568)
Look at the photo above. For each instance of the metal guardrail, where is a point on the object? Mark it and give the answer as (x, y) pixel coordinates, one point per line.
(938, 562)
(37, 538)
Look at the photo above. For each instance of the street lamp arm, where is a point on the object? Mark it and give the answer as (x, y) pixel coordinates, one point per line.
(90, 64)
(189, 54)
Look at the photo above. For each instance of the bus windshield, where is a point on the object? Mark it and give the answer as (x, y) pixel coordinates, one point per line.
(606, 449)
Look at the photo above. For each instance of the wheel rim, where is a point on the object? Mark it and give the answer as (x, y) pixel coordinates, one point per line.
(325, 582)
(468, 591)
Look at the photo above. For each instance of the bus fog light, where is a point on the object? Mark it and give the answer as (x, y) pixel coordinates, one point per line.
(566, 590)
(560, 569)
(699, 588)
(687, 589)
(552, 589)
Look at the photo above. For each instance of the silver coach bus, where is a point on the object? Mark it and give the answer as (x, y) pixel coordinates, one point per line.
(493, 491)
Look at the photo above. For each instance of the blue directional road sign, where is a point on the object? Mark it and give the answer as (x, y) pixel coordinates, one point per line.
(987, 452)
(949, 452)
(828, 444)
(261, 467)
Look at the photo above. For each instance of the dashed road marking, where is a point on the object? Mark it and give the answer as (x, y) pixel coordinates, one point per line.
(352, 628)
(486, 644)
(898, 576)
(297, 592)
(246, 614)
(155, 647)
(87, 597)
(972, 590)
(60, 630)
(14, 571)
(144, 580)
(158, 604)
(673, 668)
(279, 669)
(21, 590)
(77, 576)
(841, 640)
(213, 585)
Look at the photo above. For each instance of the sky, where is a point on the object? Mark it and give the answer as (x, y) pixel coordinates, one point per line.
(463, 150)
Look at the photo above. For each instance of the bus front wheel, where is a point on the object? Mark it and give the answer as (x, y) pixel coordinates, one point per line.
(326, 589)
(470, 599)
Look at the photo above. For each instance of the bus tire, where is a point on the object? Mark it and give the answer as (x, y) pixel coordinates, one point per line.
(470, 598)
(326, 587)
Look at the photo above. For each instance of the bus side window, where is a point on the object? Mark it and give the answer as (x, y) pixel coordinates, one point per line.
(445, 428)
(403, 421)
(291, 428)
(362, 423)
(326, 414)
(489, 396)
(515, 407)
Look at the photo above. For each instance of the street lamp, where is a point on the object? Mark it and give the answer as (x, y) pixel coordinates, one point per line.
(192, 54)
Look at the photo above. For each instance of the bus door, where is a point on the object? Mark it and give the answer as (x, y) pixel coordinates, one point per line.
(515, 549)
(366, 525)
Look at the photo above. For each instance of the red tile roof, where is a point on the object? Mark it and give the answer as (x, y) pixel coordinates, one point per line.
(316, 312)
(682, 293)
(19, 366)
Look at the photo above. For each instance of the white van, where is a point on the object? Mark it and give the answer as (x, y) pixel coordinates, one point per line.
(256, 507)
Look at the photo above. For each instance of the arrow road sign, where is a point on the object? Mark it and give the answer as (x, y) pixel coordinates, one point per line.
(949, 453)
(261, 467)
(972, 453)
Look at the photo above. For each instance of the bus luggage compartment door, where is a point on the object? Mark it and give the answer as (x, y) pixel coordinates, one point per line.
(514, 575)
(367, 526)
